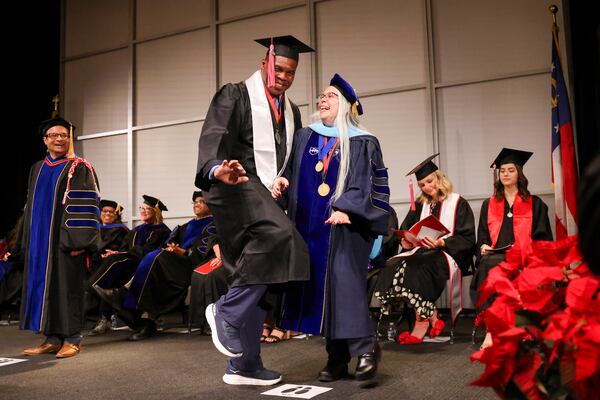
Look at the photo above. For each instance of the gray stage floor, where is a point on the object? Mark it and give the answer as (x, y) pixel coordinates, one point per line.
(181, 366)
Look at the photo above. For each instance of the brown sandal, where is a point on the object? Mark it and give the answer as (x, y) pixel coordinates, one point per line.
(282, 335)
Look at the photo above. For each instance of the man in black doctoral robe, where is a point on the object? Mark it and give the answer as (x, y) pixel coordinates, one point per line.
(244, 145)
(60, 231)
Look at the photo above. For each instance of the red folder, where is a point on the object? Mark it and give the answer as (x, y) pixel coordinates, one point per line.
(430, 227)
(208, 266)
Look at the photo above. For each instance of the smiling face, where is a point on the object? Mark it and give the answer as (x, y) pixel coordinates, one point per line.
(329, 103)
(56, 140)
(285, 72)
(200, 208)
(147, 214)
(108, 215)
(429, 185)
(508, 175)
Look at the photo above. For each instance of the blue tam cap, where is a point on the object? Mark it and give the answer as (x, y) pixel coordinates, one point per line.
(348, 92)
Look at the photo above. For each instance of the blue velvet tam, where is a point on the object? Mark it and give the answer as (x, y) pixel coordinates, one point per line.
(348, 92)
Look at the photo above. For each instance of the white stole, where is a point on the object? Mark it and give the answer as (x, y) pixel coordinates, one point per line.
(265, 155)
(448, 217)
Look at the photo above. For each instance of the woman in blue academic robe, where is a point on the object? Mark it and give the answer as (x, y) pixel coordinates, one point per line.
(339, 201)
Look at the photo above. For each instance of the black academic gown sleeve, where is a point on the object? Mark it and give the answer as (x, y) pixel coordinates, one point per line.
(540, 227)
(362, 200)
(215, 140)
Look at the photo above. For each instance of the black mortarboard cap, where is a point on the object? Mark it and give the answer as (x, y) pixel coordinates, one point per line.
(197, 193)
(286, 46)
(347, 91)
(49, 123)
(111, 203)
(514, 156)
(425, 167)
(154, 202)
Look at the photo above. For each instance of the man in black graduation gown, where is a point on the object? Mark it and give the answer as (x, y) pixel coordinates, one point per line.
(60, 231)
(244, 145)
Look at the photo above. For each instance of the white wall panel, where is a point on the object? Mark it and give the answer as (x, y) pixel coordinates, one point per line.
(399, 122)
(240, 56)
(174, 78)
(108, 156)
(157, 16)
(234, 8)
(374, 44)
(166, 166)
(95, 97)
(476, 121)
(478, 39)
(95, 25)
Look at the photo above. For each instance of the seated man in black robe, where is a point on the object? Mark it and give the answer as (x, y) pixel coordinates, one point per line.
(162, 278)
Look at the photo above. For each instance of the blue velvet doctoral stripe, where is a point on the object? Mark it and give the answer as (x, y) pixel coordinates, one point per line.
(144, 231)
(82, 223)
(139, 278)
(79, 209)
(38, 263)
(83, 194)
(303, 308)
(381, 189)
(194, 229)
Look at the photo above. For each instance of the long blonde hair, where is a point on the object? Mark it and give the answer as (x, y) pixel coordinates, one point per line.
(444, 188)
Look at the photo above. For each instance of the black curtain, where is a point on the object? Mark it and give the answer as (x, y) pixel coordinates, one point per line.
(31, 61)
(582, 24)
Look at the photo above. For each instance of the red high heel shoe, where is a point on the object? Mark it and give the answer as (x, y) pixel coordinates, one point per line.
(437, 328)
(406, 338)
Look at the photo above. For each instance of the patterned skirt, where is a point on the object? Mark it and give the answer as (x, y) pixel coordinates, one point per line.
(418, 280)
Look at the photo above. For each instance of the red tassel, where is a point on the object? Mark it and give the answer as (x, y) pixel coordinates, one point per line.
(413, 206)
(271, 66)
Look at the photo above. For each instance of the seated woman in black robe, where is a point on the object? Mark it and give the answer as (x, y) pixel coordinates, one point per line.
(112, 236)
(419, 274)
(511, 217)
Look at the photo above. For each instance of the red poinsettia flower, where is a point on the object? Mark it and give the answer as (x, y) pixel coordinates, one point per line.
(500, 358)
(537, 288)
(557, 300)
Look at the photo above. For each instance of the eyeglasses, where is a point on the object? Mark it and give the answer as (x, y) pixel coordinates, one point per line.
(199, 202)
(55, 135)
(328, 96)
(108, 211)
(146, 209)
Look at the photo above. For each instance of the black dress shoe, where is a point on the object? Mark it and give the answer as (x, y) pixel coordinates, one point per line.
(148, 330)
(366, 368)
(333, 372)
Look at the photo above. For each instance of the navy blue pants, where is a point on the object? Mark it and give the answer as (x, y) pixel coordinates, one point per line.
(240, 307)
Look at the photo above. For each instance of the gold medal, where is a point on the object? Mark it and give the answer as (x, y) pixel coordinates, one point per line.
(319, 166)
(323, 189)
